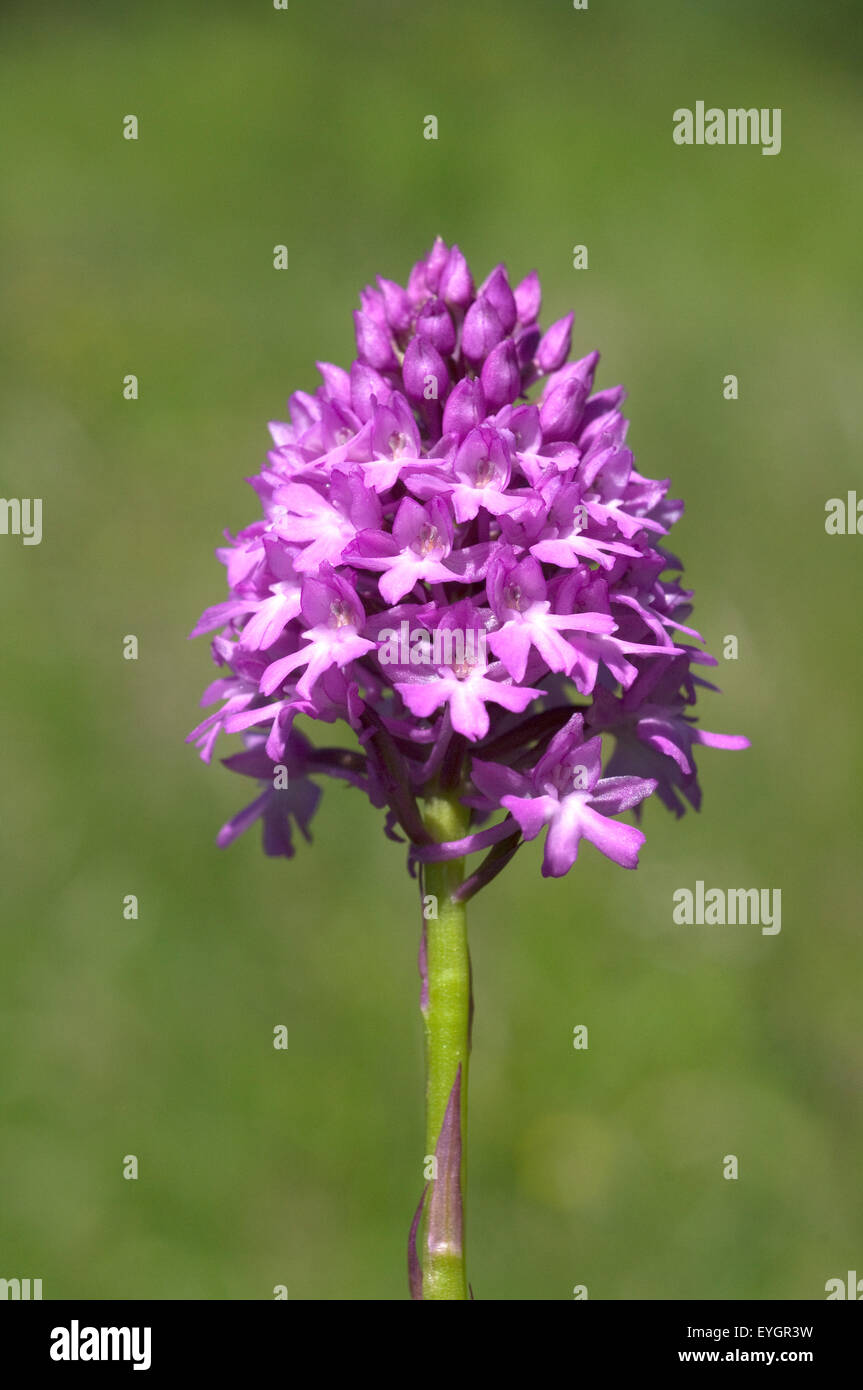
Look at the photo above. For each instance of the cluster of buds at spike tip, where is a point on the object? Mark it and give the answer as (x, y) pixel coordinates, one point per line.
(464, 484)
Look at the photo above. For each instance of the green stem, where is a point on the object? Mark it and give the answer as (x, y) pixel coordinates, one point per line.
(447, 1027)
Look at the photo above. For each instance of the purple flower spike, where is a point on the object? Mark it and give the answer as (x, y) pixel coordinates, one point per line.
(440, 562)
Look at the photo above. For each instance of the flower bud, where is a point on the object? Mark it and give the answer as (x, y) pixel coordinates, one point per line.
(497, 291)
(422, 365)
(528, 298)
(465, 409)
(436, 326)
(397, 306)
(482, 330)
(373, 343)
(554, 345)
(501, 375)
(435, 262)
(561, 409)
(372, 305)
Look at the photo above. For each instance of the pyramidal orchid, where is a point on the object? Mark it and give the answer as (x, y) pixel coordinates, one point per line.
(458, 562)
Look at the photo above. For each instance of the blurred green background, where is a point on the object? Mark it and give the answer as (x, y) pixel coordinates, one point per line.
(154, 1037)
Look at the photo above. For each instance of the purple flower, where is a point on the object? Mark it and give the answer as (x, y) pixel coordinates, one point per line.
(415, 550)
(463, 682)
(460, 493)
(336, 616)
(518, 596)
(566, 792)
